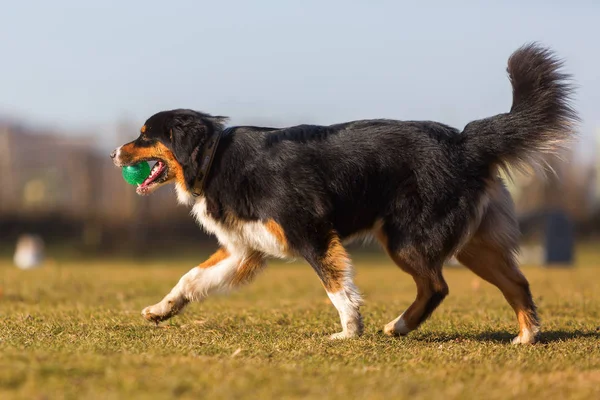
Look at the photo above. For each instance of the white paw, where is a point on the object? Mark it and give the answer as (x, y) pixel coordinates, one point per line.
(526, 337)
(396, 327)
(164, 310)
(342, 335)
(154, 313)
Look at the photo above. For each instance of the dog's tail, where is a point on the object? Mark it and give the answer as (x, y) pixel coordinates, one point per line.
(540, 120)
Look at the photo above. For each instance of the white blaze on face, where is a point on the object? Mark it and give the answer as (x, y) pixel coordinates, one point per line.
(117, 158)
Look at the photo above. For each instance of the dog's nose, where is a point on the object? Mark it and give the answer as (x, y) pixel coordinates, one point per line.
(113, 154)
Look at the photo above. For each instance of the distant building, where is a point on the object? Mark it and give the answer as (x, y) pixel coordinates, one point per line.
(51, 173)
(43, 172)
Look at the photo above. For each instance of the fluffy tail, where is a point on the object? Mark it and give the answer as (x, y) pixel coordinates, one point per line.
(540, 120)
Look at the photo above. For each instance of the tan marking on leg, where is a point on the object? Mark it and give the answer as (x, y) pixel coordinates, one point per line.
(335, 265)
(499, 268)
(431, 287)
(214, 259)
(276, 230)
(248, 269)
(431, 290)
(491, 255)
(335, 271)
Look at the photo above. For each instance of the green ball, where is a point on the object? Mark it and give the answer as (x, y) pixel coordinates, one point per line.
(136, 174)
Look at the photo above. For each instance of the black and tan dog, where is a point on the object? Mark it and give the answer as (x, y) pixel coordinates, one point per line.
(425, 190)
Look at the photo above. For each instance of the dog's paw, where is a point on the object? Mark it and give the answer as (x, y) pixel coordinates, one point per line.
(163, 310)
(527, 337)
(342, 335)
(396, 327)
(151, 314)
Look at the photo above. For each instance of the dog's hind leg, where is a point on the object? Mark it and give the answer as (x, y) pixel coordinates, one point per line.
(491, 255)
(222, 271)
(431, 287)
(431, 291)
(332, 264)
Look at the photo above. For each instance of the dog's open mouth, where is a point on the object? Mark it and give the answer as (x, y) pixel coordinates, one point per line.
(158, 174)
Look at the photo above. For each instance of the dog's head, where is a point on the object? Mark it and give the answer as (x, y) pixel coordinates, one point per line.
(173, 139)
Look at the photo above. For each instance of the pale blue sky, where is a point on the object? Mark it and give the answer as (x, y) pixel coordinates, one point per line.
(85, 64)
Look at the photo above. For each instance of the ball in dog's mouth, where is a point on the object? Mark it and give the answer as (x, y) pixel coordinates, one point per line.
(158, 174)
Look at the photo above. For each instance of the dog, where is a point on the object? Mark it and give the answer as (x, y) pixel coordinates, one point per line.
(424, 190)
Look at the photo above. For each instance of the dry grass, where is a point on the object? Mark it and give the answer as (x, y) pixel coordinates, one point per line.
(73, 330)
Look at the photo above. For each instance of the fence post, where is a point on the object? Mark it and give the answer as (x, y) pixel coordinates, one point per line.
(559, 246)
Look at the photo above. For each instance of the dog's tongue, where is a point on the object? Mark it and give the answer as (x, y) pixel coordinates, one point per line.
(158, 169)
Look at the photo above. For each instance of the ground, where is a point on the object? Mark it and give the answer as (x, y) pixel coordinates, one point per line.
(74, 330)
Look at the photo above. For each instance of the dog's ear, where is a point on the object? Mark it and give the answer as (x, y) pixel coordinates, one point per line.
(188, 132)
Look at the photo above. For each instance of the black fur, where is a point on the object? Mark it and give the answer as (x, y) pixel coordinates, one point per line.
(540, 116)
(423, 179)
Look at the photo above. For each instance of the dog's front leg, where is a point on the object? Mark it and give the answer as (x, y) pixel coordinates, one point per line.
(222, 271)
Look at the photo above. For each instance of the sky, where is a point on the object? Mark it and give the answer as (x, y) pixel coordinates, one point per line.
(86, 65)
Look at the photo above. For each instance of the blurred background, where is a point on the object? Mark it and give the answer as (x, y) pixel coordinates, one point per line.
(77, 79)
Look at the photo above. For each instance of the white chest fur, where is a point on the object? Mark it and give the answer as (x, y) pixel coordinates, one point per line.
(239, 237)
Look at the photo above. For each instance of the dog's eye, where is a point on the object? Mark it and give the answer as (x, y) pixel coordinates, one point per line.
(144, 139)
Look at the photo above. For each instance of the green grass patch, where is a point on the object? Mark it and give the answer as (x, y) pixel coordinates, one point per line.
(73, 330)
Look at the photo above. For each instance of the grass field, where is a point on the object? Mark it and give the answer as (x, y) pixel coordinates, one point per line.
(73, 330)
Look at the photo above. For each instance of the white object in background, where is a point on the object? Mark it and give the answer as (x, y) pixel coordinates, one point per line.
(29, 253)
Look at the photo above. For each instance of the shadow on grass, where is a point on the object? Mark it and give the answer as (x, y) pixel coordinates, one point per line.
(545, 336)
(556, 336)
(506, 337)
